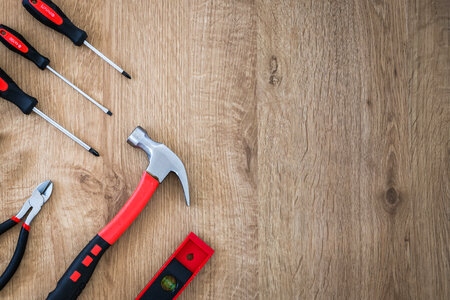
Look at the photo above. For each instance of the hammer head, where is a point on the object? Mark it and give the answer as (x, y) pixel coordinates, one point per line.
(162, 159)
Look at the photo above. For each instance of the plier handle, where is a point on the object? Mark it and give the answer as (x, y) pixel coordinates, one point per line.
(40, 195)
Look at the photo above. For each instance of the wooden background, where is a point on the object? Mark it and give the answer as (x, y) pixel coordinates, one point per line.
(315, 135)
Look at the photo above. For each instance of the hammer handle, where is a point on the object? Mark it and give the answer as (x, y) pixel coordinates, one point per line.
(76, 277)
(129, 212)
(74, 280)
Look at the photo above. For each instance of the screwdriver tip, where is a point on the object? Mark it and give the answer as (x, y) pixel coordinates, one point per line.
(109, 113)
(126, 75)
(94, 152)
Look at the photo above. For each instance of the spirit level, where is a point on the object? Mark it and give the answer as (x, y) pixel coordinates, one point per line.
(178, 271)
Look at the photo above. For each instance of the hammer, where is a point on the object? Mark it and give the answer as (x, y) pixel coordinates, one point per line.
(162, 162)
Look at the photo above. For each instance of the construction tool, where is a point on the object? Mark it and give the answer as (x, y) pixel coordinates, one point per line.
(40, 195)
(27, 104)
(15, 42)
(162, 162)
(49, 14)
(178, 271)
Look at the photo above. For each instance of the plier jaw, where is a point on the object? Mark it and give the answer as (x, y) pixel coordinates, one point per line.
(38, 198)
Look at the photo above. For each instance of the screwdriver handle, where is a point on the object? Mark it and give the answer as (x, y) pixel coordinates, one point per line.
(14, 41)
(49, 14)
(11, 92)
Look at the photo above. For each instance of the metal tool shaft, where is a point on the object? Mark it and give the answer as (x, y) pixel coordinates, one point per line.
(66, 132)
(104, 109)
(107, 60)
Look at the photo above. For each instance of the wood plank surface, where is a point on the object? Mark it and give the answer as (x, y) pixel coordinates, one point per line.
(315, 135)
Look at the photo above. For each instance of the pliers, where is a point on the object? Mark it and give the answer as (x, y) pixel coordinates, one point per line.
(40, 195)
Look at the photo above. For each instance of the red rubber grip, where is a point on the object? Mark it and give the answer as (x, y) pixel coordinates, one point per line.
(13, 40)
(47, 11)
(3, 85)
(131, 209)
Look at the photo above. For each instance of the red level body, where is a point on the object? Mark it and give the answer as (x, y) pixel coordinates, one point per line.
(178, 271)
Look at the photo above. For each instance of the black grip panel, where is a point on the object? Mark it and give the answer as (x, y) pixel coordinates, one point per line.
(7, 225)
(15, 95)
(32, 54)
(16, 259)
(65, 26)
(76, 277)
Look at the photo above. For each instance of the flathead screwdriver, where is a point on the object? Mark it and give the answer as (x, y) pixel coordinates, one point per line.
(27, 104)
(49, 14)
(15, 42)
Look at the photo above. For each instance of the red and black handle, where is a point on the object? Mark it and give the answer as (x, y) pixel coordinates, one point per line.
(80, 271)
(49, 14)
(76, 277)
(14, 41)
(11, 92)
(18, 253)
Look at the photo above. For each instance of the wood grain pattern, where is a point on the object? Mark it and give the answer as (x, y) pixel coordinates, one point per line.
(315, 135)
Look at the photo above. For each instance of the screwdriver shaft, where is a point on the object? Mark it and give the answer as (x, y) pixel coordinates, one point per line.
(66, 132)
(104, 109)
(107, 60)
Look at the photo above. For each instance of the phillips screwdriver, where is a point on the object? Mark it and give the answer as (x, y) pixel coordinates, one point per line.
(27, 104)
(49, 14)
(15, 42)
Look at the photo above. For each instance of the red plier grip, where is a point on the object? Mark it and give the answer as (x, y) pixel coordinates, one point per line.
(79, 273)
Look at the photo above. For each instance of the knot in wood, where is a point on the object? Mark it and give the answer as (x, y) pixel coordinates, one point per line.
(391, 196)
(274, 78)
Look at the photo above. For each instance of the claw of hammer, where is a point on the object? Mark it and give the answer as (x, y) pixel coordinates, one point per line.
(162, 160)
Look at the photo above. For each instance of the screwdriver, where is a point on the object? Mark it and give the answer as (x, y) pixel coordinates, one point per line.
(27, 104)
(49, 14)
(15, 42)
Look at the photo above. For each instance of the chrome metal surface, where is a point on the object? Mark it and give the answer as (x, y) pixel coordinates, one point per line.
(103, 57)
(162, 159)
(38, 198)
(62, 129)
(104, 109)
